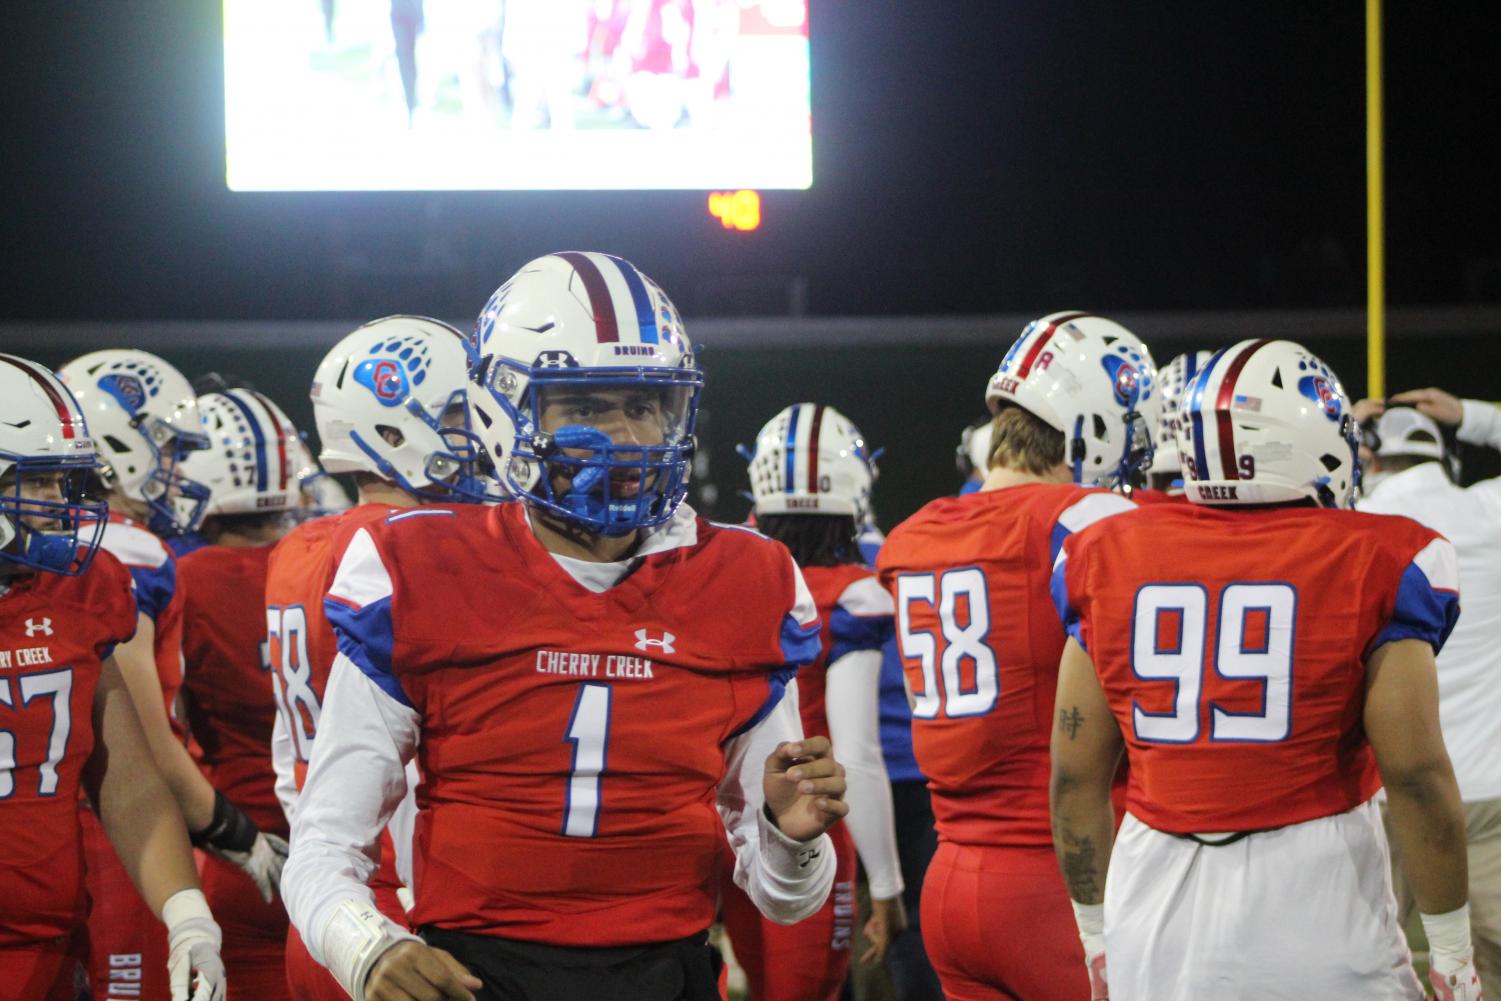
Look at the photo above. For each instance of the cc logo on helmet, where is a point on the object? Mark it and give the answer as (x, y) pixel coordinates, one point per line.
(1127, 381)
(384, 377)
(1318, 389)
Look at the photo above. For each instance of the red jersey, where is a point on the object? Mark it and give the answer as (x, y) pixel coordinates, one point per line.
(572, 742)
(980, 645)
(853, 614)
(227, 676)
(1147, 497)
(154, 569)
(300, 642)
(55, 632)
(1231, 645)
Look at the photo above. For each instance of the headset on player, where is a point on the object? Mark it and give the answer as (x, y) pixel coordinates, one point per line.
(144, 416)
(580, 322)
(43, 434)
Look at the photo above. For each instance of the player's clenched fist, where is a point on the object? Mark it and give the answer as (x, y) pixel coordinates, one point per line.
(411, 971)
(804, 788)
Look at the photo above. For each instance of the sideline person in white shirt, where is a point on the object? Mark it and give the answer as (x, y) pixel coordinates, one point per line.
(1408, 475)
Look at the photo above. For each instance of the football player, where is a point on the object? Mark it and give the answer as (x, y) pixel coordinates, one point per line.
(144, 418)
(250, 467)
(563, 670)
(67, 724)
(811, 476)
(1075, 405)
(1165, 475)
(1267, 660)
(388, 400)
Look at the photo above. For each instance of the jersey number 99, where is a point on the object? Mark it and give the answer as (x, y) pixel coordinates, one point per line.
(1255, 624)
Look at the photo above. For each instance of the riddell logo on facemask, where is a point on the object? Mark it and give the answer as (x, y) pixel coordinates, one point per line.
(645, 641)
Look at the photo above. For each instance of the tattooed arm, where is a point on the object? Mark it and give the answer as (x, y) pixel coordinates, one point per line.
(1086, 749)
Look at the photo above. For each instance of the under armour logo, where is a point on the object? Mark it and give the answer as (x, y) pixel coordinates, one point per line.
(45, 627)
(645, 641)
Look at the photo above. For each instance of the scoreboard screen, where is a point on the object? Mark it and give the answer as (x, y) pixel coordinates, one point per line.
(432, 95)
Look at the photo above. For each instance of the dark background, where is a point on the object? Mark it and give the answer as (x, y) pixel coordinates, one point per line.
(970, 157)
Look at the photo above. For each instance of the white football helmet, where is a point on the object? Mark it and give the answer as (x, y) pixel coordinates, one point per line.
(1178, 373)
(811, 459)
(1092, 379)
(43, 433)
(389, 400)
(1266, 422)
(144, 417)
(570, 323)
(251, 462)
(973, 454)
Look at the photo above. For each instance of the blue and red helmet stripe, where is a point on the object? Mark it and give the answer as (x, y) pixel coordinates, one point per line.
(64, 412)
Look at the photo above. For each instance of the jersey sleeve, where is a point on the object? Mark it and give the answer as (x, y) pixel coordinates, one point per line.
(115, 604)
(1090, 508)
(154, 587)
(1427, 601)
(1481, 424)
(358, 607)
(800, 646)
(862, 619)
(1068, 567)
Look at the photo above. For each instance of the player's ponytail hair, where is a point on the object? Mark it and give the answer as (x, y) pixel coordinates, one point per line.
(1022, 441)
(815, 540)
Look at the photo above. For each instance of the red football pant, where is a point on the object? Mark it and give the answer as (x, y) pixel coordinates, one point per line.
(306, 979)
(808, 961)
(255, 932)
(998, 926)
(128, 944)
(51, 972)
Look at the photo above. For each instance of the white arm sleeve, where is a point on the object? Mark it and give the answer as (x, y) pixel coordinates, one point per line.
(355, 780)
(787, 880)
(851, 702)
(281, 758)
(1481, 424)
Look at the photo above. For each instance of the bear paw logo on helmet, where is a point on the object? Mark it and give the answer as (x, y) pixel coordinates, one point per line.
(1318, 389)
(384, 377)
(126, 389)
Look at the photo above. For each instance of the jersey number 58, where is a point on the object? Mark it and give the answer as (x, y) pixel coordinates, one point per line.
(960, 599)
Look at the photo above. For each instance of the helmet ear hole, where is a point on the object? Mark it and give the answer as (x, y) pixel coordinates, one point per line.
(392, 436)
(1330, 462)
(1099, 426)
(115, 444)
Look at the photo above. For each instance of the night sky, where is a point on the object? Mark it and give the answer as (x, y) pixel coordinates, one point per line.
(971, 156)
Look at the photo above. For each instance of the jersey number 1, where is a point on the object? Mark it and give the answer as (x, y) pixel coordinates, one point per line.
(589, 733)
